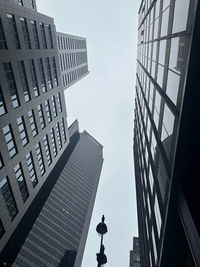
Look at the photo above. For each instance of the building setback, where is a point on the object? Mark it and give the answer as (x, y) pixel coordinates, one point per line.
(34, 134)
(166, 137)
(135, 253)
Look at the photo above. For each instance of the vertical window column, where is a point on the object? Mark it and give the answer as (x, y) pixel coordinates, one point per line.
(3, 44)
(26, 33)
(63, 130)
(48, 111)
(42, 30)
(47, 149)
(2, 103)
(32, 122)
(59, 102)
(42, 77)
(49, 73)
(50, 36)
(24, 82)
(12, 149)
(55, 71)
(8, 198)
(22, 130)
(35, 34)
(53, 141)
(34, 78)
(58, 135)
(21, 182)
(11, 84)
(53, 99)
(13, 31)
(40, 158)
(41, 116)
(31, 168)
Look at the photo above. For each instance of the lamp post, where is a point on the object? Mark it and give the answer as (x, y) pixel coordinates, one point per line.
(101, 230)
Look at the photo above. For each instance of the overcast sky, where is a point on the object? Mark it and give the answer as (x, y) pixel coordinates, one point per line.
(103, 104)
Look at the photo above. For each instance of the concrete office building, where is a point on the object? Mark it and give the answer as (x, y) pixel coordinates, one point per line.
(56, 224)
(135, 253)
(166, 137)
(33, 126)
(72, 57)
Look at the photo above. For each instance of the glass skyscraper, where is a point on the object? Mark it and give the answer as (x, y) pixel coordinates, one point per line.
(165, 139)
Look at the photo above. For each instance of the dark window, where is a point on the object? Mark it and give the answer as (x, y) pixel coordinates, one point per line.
(42, 30)
(2, 37)
(40, 158)
(31, 168)
(63, 130)
(26, 33)
(13, 31)
(8, 197)
(12, 149)
(20, 2)
(59, 102)
(22, 130)
(55, 72)
(32, 4)
(1, 161)
(48, 111)
(47, 149)
(35, 34)
(53, 141)
(24, 82)
(42, 77)
(53, 99)
(34, 78)
(41, 116)
(50, 36)
(2, 103)
(2, 231)
(49, 73)
(58, 135)
(11, 84)
(32, 122)
(21, 182)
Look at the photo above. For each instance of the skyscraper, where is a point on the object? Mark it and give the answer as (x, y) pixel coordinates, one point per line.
(166, 137)
(34, 133)
(135, 253)
(56, 224)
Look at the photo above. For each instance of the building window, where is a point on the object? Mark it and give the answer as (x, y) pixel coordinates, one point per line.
(47, 149)
(53, 99)
(1, 162)
(49, 73)
(53, 141)
(32, 4)
(22, 131)
(2, 230)
(55, 71)
(11, 84)
(3, 44)
(13, 31)
(32, 122)
(20, 2)
(41, 116)
(63, 130)
(42, 77)
(58, 135)
(35, 34)
(59, 102)
(42, 30)
(26, 33)
(2, 103)
(24, 82)
(31, 168)
(34, 78)
(12, 149)
(40, 158)
(21, 182)
(154, 246)
(48, 111)
(8, 197)
(157, 215)
(50, 36)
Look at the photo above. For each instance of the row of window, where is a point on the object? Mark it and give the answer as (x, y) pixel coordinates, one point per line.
(21, 3)
(9, 137)
(69, 77)
(70, 43)
(45, 30)
(24, 81)
(71, 60)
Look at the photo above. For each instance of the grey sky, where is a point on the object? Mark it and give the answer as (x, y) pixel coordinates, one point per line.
(103, 104)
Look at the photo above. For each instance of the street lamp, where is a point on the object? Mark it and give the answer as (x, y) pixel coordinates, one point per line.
(101, 230)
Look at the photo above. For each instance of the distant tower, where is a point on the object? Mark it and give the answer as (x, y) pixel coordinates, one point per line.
(135, 254)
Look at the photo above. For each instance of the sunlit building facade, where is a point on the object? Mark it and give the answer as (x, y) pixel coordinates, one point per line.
(165, 153)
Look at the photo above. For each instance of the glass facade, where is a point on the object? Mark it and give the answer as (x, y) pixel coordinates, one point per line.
(164, 39)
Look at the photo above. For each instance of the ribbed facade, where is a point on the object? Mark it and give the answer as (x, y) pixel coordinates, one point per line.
(166, 30)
